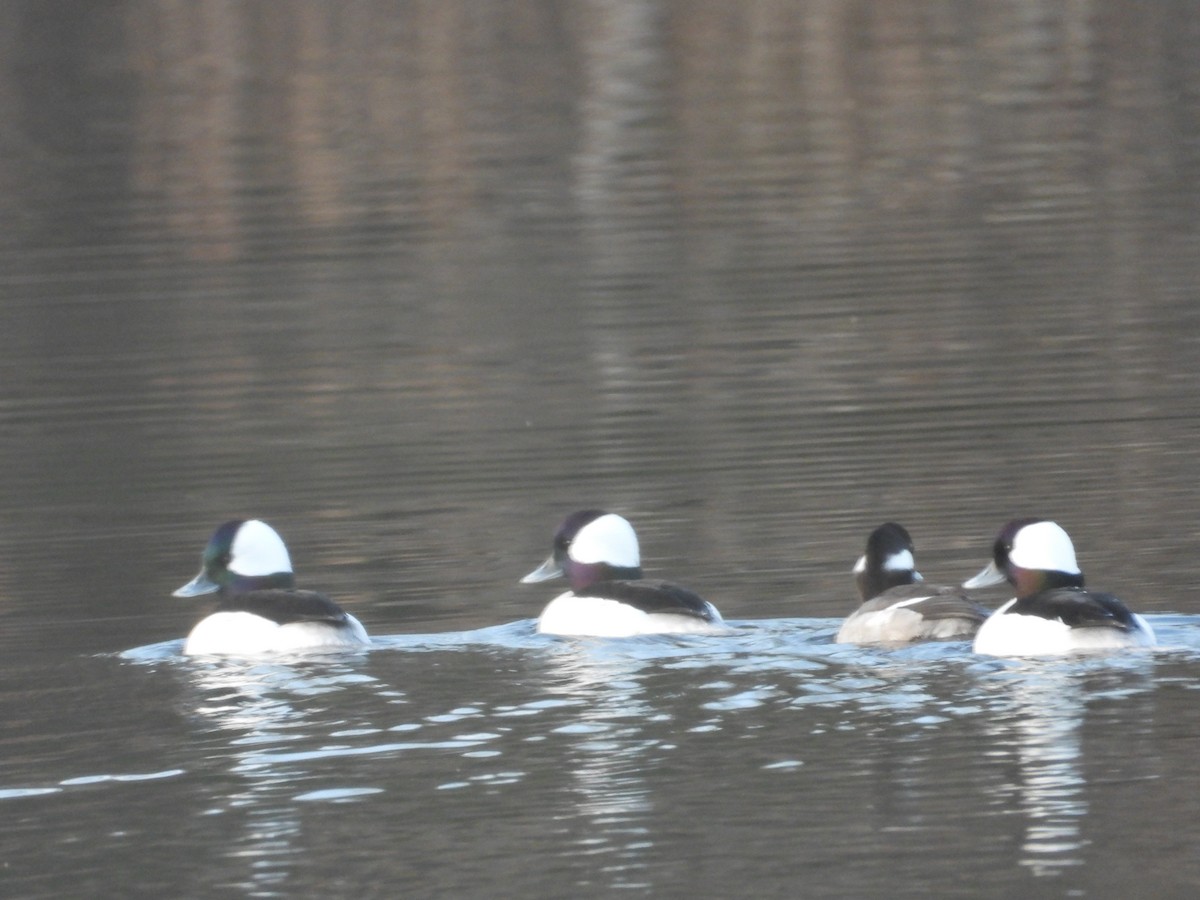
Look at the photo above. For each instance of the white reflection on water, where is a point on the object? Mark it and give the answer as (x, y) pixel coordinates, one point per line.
(255, 701)
(607, 755)
(1042, 706)
(593, 755)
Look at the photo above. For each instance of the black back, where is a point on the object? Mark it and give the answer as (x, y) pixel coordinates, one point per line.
(651, 597)
(1077, 608)
(285, 607)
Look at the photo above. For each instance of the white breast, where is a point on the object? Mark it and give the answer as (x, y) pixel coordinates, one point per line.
(245, 634)
(1008, 634)
(598, 617)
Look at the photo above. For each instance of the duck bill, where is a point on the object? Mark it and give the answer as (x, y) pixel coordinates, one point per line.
(547, 570)
(986, 578)
(201, 584)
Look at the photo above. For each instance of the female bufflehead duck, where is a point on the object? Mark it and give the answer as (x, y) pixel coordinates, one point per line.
(1051, 613)
(260, 610)
(898, 605)
(598, 553)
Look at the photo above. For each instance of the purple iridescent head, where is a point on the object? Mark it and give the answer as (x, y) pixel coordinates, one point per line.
(1032, 555)
(590, 546)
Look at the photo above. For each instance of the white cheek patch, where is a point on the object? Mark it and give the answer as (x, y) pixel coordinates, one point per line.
(1045, 546)
(258, 550)
(609, 539)
(860, 566)
(900, 562)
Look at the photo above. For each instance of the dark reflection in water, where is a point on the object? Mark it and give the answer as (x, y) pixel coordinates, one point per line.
(411, 281)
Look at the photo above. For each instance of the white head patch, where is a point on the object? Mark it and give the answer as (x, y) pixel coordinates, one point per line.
(609, 539)
(900, 562)
(861, 565)
(258, 550)
(1045, 546)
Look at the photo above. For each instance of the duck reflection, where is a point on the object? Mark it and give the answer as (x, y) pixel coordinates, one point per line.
(252, 708)
(1041, 719)
(607, 757)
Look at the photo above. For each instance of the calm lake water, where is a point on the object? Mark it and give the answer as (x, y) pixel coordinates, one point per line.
(412, 281)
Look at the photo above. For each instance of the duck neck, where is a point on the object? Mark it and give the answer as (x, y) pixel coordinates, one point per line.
(583, 575)
(243, 584)
(1034, 581)
(873, 582)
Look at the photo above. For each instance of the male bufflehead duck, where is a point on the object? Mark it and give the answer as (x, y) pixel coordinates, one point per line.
(598, 553)
(260, 610)
(898, 605)
(1051, 613)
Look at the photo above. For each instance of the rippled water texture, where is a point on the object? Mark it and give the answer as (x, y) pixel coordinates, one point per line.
(411, 281)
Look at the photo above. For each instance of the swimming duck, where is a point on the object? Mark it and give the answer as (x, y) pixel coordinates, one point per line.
(260, 610)
(598, 553)
(1051, 613)
(897, 604)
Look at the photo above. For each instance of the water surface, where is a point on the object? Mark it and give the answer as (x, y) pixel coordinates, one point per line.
(411, 282)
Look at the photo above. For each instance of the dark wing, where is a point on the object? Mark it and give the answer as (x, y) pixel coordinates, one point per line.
(931, 601)
(1077, 608)
(652, 597)
(286, 607)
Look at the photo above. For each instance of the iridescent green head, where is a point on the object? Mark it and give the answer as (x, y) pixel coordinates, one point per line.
(242, 555)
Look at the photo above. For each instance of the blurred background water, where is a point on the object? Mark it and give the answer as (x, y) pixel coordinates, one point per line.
(411, 281)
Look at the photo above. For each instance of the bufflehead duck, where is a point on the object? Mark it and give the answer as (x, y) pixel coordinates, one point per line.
(260, 610)
(897, 604)
(1051, 613)
(598, 553)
